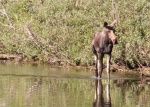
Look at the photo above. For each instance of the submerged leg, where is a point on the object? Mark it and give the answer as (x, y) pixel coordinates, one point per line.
(108, 65)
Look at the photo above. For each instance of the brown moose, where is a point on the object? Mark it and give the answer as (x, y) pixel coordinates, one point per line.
(102, 43)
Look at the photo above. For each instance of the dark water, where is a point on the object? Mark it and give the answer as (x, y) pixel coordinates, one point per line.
(26, 85)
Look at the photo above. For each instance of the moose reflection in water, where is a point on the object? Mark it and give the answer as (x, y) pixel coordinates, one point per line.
(99, 98)
(102, 43)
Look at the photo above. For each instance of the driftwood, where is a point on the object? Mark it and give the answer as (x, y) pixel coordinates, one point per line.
(7, 56)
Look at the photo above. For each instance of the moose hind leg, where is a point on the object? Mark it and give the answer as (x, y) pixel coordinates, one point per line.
(108, 65)
(96, 67)
(96, 61)
(100, 65)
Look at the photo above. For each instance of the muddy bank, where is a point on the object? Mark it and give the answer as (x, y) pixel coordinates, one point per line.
(114, 68)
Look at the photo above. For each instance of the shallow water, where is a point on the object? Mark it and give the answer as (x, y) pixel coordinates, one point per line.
(31, 85)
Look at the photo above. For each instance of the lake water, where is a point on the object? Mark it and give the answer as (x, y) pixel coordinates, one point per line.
(30, 85)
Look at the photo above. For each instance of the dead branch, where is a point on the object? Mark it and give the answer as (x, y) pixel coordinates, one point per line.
(36, 41)
(3, 11)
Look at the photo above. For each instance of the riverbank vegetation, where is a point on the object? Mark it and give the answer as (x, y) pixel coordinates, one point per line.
(60, 31)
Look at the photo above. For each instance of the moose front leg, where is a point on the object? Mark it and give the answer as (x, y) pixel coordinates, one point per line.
(108, 65)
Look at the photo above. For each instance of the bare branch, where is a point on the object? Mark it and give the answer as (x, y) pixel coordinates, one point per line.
(5, 25)
(3, 11)
(36, 41)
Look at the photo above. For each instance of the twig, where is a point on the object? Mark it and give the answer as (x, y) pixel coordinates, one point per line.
(76, 3)
(113, 9)
(5, 25)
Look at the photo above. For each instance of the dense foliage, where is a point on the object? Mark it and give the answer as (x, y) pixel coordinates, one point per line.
(61, 30)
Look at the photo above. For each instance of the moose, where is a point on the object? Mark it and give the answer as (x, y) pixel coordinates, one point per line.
(102, 43)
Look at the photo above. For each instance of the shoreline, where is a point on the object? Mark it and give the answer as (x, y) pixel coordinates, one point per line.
(67, 64)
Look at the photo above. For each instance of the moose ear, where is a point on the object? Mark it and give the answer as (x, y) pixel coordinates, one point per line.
(113, 23)
(105, 24)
